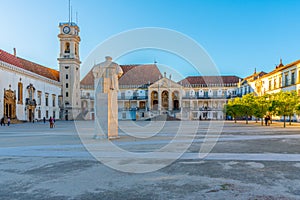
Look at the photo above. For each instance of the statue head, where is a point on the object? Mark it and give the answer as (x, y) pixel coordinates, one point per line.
(108, 58)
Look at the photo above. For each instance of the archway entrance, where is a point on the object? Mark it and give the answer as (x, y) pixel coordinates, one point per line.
(165, 100)
(9, 104)
(175, 99)
(154, 100)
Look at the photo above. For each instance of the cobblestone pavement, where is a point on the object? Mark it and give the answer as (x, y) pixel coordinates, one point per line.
(247, 162)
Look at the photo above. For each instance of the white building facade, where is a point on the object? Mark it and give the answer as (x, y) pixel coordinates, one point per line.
(27, 95)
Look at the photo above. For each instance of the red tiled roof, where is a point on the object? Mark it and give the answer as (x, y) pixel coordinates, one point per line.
(29, 66)
(10, 59)
(205, 80)
(139, 74)
(132, 75)
(88, 80)
(40, 70)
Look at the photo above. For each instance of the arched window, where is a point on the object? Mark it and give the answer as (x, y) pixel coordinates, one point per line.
(67, 47)
(76, 49)
(20, 93)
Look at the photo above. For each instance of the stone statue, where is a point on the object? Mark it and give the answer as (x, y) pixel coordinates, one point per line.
(108, 70)
(106, 76)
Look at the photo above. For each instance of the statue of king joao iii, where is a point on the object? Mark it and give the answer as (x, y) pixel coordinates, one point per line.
(106, 88)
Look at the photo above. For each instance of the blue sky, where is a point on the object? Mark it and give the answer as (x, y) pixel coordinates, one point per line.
(239, 35)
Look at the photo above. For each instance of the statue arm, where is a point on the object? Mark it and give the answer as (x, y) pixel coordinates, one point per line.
(119, 71)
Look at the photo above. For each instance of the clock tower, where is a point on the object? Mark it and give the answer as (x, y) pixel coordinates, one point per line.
(69, 67)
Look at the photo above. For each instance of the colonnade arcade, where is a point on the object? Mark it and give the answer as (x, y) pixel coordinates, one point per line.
(165, 100)
(164, 95)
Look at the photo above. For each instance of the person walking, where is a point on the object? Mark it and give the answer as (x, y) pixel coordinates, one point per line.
(44, 119)
(8, 121)
(2, 121)
(268, 120)
(51, 122)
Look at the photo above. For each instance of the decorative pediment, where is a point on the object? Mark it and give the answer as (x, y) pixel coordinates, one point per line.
(165, 83)
(9, 94)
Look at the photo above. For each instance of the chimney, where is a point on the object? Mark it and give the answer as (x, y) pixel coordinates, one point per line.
(165, 74)
(170, 76)
(15, 52)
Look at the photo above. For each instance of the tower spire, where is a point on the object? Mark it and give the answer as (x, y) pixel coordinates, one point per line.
(71, 14)
(69, 11)
(76, 17)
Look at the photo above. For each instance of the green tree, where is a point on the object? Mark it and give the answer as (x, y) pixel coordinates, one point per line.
(233, 108)
(285, 103)
(297, 109)
(261, 106)
(248, 105)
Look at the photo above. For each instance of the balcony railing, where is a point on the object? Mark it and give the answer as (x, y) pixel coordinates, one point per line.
(204, 97)
(133, 109)
(87, 97)
(132, 97)
(29, 102)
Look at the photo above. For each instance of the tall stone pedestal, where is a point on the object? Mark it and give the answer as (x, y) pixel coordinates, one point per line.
(106, 108)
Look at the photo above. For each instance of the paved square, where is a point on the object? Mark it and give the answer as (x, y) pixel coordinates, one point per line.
(247, 162)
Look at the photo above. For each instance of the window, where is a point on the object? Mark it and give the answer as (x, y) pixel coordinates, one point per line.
(66, 67)
(67, 85)
(293, 78)
(275, 84)
(47, 114)
(67, 47)
(54, 115)
(30, 92)
(270, 85)
(20, 93)
(46, 99)
(39, 98)
(215, 93)
(60, 100)
(53, 100)
(122, 95)
(39, 114)
(280, 81)
(206, 94)
(67, 76)
(195, 104)
(286, 79)
(126, 105)
(67, 94)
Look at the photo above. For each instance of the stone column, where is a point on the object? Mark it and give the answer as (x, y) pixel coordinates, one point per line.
(149, 100)
(159, 101)
(170, 101)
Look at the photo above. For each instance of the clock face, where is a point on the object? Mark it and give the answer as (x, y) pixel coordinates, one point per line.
(66, 29)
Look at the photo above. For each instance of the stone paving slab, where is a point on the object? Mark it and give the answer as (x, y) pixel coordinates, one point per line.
(247, 162)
